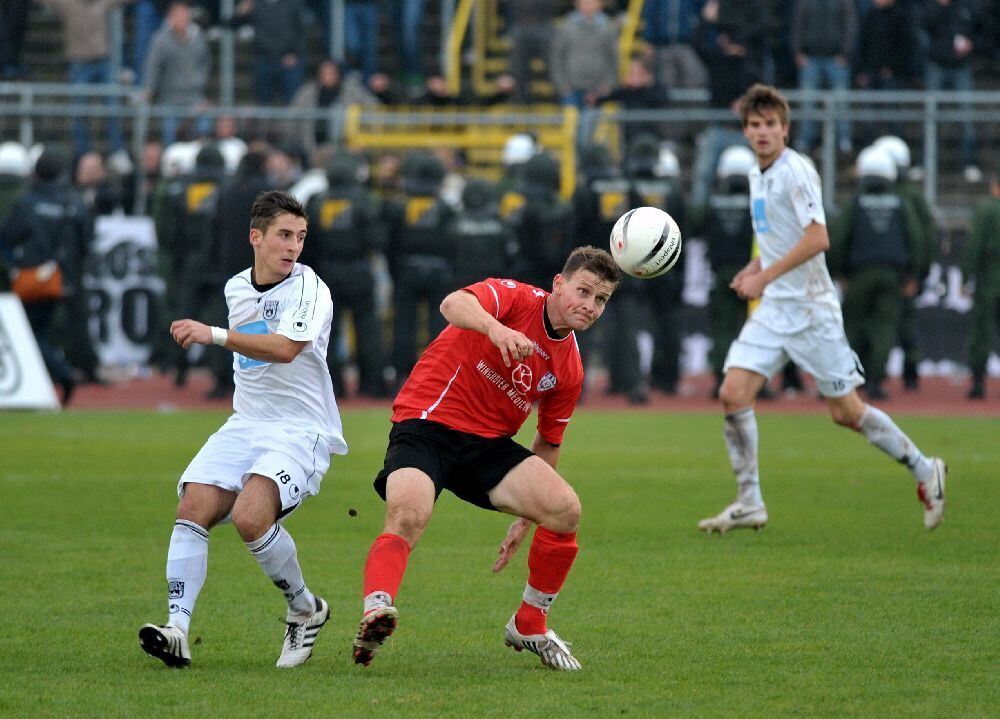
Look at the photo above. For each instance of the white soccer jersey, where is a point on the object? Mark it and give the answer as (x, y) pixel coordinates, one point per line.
(784, 200)
(299, 392)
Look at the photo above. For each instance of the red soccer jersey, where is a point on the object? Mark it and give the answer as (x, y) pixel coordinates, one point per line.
(462, 383)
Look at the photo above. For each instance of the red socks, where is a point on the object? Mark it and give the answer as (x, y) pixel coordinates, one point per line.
(386, 564)
(549, 561)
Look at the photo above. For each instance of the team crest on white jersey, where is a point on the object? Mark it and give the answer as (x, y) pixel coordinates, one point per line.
(270, 309)
(547, 382)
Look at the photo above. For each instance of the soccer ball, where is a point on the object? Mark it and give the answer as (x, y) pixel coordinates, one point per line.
(646, 242)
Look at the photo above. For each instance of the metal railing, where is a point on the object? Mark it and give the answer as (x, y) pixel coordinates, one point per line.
(924, 112)
(926, 116)
(484, 18)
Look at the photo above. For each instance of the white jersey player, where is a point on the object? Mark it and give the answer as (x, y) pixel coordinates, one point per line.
(273, 451)
(798, 319)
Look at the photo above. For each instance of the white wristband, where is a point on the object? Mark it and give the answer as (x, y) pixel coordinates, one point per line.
(220, 336)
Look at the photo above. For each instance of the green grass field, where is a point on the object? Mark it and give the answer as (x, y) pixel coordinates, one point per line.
(843, 606)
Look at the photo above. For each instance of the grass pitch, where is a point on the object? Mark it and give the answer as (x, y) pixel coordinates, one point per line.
(843, 606)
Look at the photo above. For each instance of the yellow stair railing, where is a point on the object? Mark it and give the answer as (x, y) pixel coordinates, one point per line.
(481, 132)
(627, 37)
(456, 36)
(487, 42)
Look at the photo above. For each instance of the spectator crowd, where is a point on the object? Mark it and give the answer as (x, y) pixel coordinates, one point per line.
(416, 223)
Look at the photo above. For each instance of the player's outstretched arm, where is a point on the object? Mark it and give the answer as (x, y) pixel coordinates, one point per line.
(266, 348)
(190, 332)
(463, 310)
(516, 533)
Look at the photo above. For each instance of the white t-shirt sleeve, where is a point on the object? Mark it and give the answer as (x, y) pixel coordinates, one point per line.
(804, 192)
(303, 319)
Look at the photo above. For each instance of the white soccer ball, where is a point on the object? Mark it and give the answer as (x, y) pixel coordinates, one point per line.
(646, 242)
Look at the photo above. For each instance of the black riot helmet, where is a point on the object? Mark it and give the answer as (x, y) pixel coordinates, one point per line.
(422, 174)
(594, 161)
(209, 162)
(642, 156)
(541, 175)
(478, 195)
(344, 169)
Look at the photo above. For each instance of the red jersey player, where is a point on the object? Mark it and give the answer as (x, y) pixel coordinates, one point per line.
(507, 346)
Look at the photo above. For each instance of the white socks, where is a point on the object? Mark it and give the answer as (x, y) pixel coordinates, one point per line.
(537, 599)
(740, 432)
(881, 431)
(275, 553)
(187, 565)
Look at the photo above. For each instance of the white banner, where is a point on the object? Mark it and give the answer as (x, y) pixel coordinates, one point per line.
(123, 289)
(24, 381)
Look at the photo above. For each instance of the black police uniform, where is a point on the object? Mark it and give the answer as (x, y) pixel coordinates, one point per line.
(875, 246)
(728, 233)
(419, 256)
(482, 243)
(542, 224)
(344, 231)
(661, 297)
(49, 223)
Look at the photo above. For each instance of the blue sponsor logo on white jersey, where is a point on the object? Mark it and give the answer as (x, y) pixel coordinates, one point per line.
(760, 223)
(252, 328)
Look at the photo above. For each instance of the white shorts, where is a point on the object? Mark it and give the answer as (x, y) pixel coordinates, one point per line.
(293, 457)
(812, 337)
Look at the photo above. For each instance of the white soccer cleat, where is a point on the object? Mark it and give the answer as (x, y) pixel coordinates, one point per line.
(167, 643)
(300, 636)
(552, 650)
(931, 493)
(376, 626)
(736, 516)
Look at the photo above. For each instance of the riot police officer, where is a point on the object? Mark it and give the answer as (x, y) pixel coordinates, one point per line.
(654, 174)
(517, 150)
(543, 224)
(482, 243)
(183, 209)
(601, 196)
(726, 226)
(49, 227)
(875, 248)
(231, 252)
(981, 272)
(419, 256)
(927, 238)
(344, 232)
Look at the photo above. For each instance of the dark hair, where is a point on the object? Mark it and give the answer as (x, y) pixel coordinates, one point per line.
(760, 98)
(593, 259)
(254, 163)
(269, 205)
(50, 165)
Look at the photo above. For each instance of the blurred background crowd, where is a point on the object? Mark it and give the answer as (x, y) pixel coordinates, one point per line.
(392, 230)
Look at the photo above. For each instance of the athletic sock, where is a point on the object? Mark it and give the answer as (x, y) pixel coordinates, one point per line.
(740, 432)
(549, 560)
(881, 431)
(275, 553)
(187, 566)
(384, 570)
